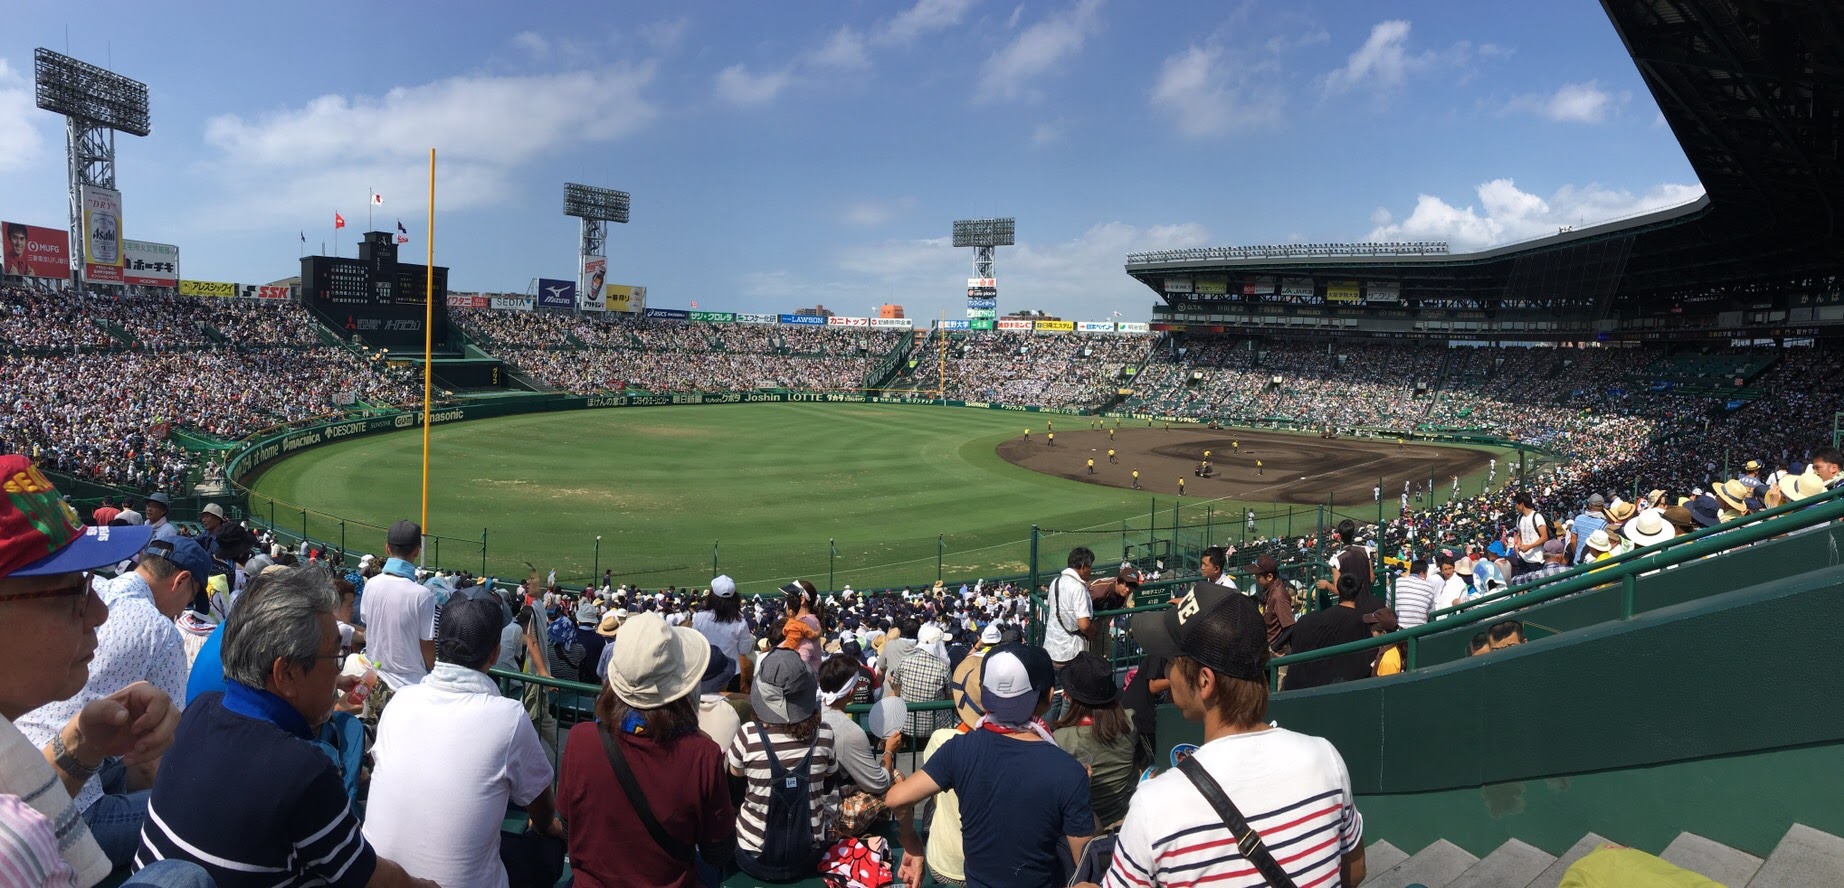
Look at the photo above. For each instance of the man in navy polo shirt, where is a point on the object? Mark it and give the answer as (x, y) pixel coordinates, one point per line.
(244, 792)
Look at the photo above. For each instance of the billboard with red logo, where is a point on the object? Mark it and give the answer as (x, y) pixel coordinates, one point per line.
(35, 252)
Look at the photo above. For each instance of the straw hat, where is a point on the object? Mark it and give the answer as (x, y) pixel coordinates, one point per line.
(1798, 487)
(1733, 494)
(1650, 528)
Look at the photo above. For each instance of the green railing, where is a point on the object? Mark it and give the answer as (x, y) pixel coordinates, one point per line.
(1624, 570)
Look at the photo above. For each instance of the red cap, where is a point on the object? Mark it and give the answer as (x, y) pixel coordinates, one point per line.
(41, 534)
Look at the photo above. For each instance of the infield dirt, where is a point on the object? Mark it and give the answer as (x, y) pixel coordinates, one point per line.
(1295, 468)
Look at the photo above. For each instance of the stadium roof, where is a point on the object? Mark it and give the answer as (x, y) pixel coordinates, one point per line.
(1754, 93)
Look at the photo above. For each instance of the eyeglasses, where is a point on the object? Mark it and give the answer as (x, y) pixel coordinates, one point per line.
(79, 591)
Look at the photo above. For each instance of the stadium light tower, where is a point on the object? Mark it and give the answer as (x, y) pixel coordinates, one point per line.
(983, 288)
(95, 104)
(594, 207)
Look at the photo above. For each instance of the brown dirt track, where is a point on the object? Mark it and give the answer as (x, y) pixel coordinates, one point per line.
(1300, 469)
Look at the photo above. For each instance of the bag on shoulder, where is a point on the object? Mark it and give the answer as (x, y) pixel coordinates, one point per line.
(787, 831)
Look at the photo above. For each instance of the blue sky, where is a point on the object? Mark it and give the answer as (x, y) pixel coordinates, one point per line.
(782, 154)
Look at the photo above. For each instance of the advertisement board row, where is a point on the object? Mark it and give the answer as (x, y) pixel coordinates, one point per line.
(1013, 324)
(1345, 292)
(981, 324)
(748, 318)
(511, 303)
(468, 300)
(893, 323)
(837, 321)
(804, 320)
(1299, 288)
(1054, 326)
(668, 314)
(35, 251)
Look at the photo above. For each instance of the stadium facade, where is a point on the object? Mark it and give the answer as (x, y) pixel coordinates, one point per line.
(1755, 96)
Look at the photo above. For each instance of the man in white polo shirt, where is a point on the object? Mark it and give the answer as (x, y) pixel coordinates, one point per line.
(399, 618)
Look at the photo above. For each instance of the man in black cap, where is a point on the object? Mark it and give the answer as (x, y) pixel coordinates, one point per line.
(1293, 789)
(399, 618)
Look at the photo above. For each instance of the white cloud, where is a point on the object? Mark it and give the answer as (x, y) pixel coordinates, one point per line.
(844, 51)
(1204, 92)
(20, 140)
(1506, 214)
(872, 213)
(1573, 103)
(292, 163)
(1382, 63)
(924, 18)
(1036, 51)
(739, 87)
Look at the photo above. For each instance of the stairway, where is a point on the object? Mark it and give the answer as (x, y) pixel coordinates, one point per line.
(1805, 858)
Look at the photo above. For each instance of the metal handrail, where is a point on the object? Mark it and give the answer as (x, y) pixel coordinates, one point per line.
(1625, 570)
(596, 689)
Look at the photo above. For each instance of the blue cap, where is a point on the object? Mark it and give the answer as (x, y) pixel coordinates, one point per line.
(187, 555)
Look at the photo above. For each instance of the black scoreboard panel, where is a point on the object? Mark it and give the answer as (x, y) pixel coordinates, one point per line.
(374, 298)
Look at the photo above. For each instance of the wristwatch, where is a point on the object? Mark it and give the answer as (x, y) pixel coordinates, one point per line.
(60, 756)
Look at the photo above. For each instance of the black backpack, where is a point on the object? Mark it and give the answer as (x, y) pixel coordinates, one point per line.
(787, 830)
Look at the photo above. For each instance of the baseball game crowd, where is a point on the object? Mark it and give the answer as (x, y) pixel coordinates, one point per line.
(1008, 366)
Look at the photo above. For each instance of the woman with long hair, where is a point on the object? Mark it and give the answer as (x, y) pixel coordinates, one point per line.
(721, 622)
(806, 623)
(1099, 733)
(647, 725)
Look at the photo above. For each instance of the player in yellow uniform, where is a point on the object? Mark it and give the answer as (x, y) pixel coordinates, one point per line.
(1111, 432)
(1111, 459)
(1049, 425)
(1235, 445)
(1401, 444)
(1091, 465)
(1052, 439)
(1258, 467)
(1136, 479)
(1027, 436)
(1206, 456)
(1181, 485)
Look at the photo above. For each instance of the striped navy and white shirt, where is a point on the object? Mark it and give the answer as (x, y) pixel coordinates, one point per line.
(747, 754)
(244, 794)
(1292, 788)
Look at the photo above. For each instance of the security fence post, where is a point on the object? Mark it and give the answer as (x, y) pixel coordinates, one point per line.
(483, 551)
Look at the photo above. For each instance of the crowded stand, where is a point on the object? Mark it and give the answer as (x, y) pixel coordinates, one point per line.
(1075, 370)
(70, 320)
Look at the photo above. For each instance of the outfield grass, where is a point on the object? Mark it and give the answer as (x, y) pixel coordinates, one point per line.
(760, 488)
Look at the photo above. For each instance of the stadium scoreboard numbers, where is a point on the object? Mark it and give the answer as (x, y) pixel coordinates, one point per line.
(374, 296)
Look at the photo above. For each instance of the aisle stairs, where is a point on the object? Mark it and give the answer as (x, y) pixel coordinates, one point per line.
(1805, 858)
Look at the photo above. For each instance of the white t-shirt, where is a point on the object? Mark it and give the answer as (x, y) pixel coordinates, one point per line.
(1527, 529)
(399, 616)
(1292, 788)
(1068, 602)
(450, 752)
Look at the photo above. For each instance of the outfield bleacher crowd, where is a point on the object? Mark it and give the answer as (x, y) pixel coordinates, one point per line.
(1075, 370)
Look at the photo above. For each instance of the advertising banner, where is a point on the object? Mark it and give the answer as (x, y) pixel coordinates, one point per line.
(102, 234)
(1131, 327)
(1177, 285)
(669, 314)
(980, 324)
(893, 323)
(1055, 326)
(1341, 291)
(590, 281)
(1014, 324)
(1258, 286)
(836, 321)
(983, 283)
(32, 251)
(1095, 326)
(714, 317)
(467, 300)
(1301, 288)
(511, 303)
(954, 325)
(255, 291)
(804, 320)
(556, 294)
(748, 318)
(986, 313)
(1389, 293)
(147, 264)
(624, 297)
(207, 288)
(1211, 288)
(982, 303)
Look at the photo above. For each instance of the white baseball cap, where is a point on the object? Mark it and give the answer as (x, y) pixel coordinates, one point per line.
(723, 587)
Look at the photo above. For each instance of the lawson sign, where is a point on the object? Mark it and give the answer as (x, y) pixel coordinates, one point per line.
(804, 320)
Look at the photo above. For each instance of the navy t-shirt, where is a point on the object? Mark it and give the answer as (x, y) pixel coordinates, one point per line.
(1018, 801)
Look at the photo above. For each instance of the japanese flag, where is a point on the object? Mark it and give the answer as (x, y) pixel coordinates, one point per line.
(377, 198)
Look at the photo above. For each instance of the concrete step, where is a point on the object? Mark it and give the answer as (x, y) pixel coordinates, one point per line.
(1553, 876)
(1381, 856)
(1711, 859)
(1513, 865)
(1433, 866)
(1805, 858)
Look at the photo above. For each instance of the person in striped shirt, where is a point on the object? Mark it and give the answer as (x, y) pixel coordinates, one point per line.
(1292, 789)
(788, 726)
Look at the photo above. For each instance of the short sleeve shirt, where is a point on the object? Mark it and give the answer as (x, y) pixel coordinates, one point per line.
(1069, 604)
(1019, 800)
(399, 615)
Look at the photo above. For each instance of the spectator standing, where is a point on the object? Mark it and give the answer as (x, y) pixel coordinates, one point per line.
(1532, 533)
(1276, 602)
(399, 618)
(786, 742)
(1414, 595)
(139, 643)
(1555, 561)
(1099, 733)
(1024, 803)
(1326, 628)
(1066, 628)
(890, 658)
(1298, 797)
(51, 614)
(922, 678)
(453, 743)
(647, 719)
(721, 622)
(1593, 517)
(1148, 687)
(244, 792)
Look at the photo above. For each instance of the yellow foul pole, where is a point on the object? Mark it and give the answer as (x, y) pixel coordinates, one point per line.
(428, 338)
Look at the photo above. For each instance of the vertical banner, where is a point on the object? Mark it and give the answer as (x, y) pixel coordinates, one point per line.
(31, 251)
(102, 234)
(556, 294)
(595, 273)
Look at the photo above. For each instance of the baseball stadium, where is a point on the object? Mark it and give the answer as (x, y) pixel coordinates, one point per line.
(1557, 480)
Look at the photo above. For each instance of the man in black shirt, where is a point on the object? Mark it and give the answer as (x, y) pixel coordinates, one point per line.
(1329, 628)
(1353, 561)
(1143, 693)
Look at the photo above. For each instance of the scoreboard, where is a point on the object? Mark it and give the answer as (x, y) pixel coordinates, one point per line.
(375, 297)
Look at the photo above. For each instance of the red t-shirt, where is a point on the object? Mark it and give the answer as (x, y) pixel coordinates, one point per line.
(685, 785)
(104, 515)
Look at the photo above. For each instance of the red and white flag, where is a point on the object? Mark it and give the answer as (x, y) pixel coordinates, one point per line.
(377, 198)
(338, 221)
(694, 304)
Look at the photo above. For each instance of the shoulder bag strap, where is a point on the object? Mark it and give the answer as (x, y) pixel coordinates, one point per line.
(625, 776)
(1248, 841)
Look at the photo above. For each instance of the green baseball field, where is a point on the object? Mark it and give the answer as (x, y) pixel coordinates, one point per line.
(866, 495)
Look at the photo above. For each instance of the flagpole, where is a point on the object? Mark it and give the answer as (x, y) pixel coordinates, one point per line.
(428, 338)
(368, 200)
